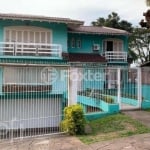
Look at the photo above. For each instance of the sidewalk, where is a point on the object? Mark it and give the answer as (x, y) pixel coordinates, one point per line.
(136, 142)
(64, 142)
(140, 115)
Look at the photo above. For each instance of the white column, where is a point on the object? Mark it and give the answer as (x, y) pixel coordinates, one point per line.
(139, 87)
(73, 84)
(119, 87)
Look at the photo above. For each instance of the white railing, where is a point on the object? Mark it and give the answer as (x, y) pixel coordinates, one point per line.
(115, 56)
(30, 49)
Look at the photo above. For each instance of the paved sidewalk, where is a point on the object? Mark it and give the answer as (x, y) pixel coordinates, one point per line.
(64, 142)
(136, 142)
(140, 115)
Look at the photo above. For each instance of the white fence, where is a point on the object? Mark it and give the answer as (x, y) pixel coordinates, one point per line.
(116, 56)
(30, 49)
(31, 103)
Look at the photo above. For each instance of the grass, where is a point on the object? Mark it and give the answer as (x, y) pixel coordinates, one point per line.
(114, 126)
(148, 109)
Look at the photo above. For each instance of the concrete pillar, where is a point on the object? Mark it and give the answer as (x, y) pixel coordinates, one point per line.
(119, 87)
(73, 84)
(139, 87)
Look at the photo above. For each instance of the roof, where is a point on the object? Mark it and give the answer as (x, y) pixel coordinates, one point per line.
(39, 18)
(98, 30)
(82, 57)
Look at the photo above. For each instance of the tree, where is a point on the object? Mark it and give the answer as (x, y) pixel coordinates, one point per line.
(139, 45)
(113, 20)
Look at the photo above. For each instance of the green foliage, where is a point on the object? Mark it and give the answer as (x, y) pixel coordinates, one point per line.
(139, 45)
(108, 99)
(97, 94)
(113, 126)
(74, 120)
(106, 94)
(113, 20)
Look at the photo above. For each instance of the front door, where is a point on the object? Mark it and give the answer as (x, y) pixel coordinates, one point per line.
(109, 46)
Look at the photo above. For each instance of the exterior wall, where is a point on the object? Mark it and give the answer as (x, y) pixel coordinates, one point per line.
(88, 40)
(59, 30)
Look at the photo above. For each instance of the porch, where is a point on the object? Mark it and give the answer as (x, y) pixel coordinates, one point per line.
(115, 56)
(33, 50)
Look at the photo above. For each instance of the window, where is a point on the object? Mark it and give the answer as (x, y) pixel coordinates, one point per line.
(78, 43)
(73, 43)
(28, 34)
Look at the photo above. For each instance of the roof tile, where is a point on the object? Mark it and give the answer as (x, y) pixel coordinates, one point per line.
(98, 30)
(80, 57)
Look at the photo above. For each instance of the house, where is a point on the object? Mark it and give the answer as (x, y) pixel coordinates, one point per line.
(34, 53)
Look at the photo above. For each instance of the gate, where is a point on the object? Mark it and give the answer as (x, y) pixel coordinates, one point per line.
(101, 89)
(129, 88)
(32, 99)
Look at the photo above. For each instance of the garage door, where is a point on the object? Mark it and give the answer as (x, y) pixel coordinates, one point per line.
(31, 113)
(29, 104)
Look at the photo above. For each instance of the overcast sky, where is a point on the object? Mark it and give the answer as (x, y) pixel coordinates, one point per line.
(86, 10)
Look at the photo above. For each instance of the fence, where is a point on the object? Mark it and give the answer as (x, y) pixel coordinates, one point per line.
(107, 89)
(32, 100)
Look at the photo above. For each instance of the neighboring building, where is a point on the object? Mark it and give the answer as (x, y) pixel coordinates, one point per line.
(30, 44)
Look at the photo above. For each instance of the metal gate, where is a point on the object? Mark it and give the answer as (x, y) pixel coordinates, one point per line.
(129, 88)
(115, 86)
(32, 99)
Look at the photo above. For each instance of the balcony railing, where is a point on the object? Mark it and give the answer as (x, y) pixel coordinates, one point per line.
(30, 49)
(115, 56)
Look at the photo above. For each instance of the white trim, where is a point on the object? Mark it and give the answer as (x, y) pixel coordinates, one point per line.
(33, 29)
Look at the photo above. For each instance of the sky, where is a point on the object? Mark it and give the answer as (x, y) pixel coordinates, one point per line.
(85, 10)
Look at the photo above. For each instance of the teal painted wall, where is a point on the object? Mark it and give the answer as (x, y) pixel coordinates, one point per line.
(60, 82)
(131, 89)
(88, 40)
(146, 91)
(59, 30)
(94, 78)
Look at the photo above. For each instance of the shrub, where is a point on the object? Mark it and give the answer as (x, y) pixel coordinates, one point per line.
(74, 120)
(108, 99)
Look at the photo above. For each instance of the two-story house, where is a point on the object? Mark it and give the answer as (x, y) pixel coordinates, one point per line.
(34, 53)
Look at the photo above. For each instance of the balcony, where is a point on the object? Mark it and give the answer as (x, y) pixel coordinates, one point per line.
(116, 56)
(40, 50)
